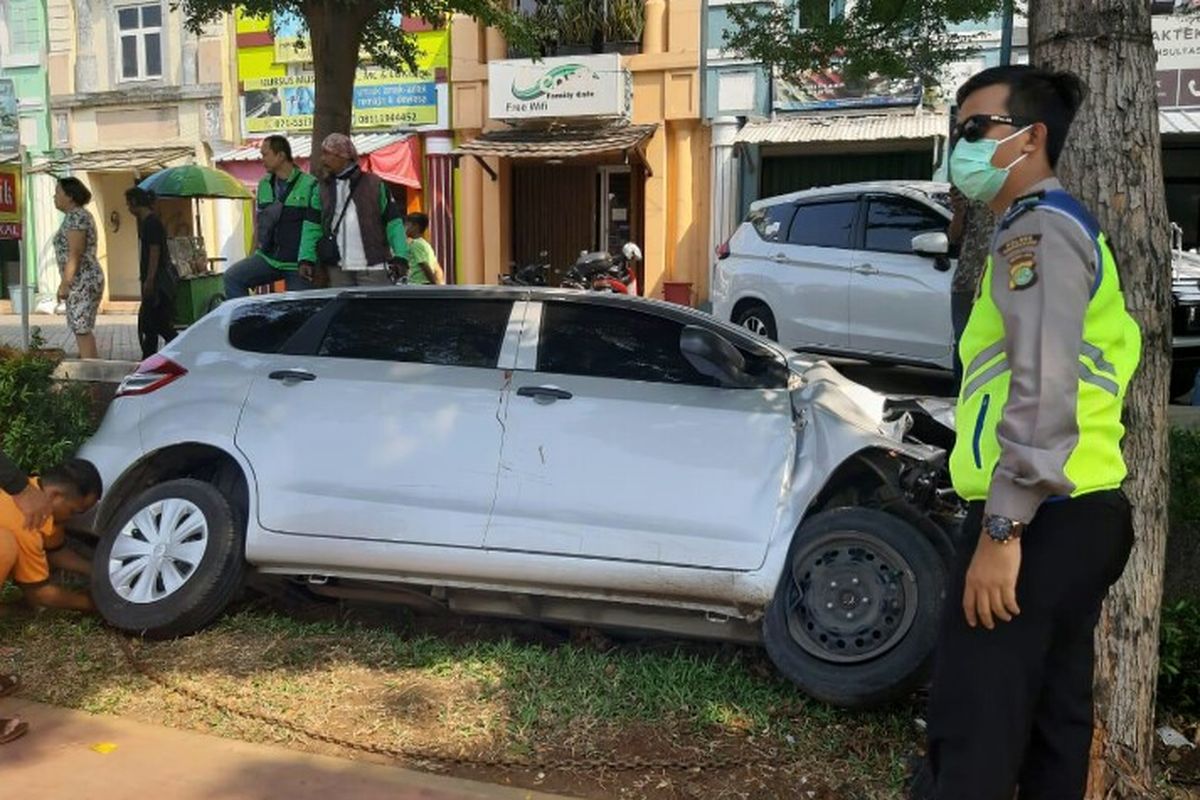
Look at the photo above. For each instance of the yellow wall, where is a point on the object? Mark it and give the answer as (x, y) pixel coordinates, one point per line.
(666, 92)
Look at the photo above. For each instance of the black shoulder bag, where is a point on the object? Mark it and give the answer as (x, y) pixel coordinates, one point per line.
(328, 252)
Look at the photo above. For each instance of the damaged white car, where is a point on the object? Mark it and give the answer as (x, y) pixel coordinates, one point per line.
(569, 457)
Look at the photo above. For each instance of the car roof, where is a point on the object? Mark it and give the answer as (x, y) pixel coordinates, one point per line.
(922, 189)
(682, 314)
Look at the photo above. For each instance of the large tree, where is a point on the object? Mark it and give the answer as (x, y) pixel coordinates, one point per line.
(339, 30)
(1114, 165)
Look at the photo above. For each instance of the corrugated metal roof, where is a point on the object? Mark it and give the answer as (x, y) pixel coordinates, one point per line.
(138, 159)
(365, 143)
(807, 128)
(557, 143)
(1179, 122)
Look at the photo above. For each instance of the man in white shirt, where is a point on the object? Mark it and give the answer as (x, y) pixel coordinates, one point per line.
(363, 229)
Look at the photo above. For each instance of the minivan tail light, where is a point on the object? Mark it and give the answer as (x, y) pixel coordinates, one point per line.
(723, 250)
(152, 374)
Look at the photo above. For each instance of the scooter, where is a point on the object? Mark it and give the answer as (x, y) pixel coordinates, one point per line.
(599, 271)
(530, 274)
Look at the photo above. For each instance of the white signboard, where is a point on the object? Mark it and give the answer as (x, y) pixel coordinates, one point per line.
(580, 86)
(1177, 73)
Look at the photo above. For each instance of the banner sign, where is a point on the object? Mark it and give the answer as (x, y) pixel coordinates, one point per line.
(1177, 71)
(381, 100)
(580, 86)
(10, 119)
(10, 201)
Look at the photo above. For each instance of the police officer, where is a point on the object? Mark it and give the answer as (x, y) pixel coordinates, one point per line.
(1047, 354)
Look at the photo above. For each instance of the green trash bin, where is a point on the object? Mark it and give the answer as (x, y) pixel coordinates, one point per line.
(196, 295)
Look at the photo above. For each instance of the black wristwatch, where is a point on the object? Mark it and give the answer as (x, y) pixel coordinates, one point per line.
(1002, 530)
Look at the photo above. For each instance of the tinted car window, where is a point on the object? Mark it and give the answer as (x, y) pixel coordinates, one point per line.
(772, 222)
(892, 224)
(606, 342)
(266, 327)
(452, 333)
(824, 224)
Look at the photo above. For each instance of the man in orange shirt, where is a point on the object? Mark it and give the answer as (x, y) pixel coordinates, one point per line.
(27, 552)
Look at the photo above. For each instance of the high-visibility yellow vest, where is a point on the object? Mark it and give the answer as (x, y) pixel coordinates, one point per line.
(1108, 357)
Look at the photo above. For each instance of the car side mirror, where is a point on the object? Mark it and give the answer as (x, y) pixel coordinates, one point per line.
(714, 356)
(931, 244)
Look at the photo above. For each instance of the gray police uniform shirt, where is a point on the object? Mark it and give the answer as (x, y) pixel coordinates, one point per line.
(1043, 323)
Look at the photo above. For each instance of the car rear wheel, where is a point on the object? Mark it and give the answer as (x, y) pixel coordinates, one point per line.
(172, 563)
(757, 318)
(854, 618)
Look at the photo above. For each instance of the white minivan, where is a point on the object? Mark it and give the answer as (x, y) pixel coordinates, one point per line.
(861, 270)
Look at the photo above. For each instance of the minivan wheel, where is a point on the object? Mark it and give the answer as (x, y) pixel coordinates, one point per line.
(172, 562)
(757, 318)
(855, 616)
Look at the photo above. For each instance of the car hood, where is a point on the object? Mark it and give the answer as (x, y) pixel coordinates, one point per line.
(821, 390)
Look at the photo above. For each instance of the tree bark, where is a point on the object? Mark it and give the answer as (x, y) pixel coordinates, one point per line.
(978, 228)
(335, 36)
(1113, 164)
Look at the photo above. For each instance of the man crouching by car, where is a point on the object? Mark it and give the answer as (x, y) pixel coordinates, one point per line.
(28, 553)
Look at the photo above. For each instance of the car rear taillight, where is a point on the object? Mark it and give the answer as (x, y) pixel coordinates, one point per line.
(152, 374)
(723, 250)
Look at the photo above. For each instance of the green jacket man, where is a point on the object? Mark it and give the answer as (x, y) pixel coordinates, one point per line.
(287, 225)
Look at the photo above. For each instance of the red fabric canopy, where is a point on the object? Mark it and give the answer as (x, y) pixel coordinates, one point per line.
(399, 162)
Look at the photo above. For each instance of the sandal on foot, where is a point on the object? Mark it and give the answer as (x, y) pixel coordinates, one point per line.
(12, 729)
(9, 684)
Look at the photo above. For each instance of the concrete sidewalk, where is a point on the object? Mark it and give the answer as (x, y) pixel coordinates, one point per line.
(116, 334)
(70, 754)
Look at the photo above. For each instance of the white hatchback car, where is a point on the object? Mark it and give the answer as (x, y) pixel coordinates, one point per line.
(861, 270)
(571, 457)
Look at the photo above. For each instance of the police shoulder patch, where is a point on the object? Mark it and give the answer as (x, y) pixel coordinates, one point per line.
(1022, 272)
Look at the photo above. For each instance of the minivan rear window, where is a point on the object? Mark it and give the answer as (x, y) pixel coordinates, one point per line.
(772, 222)
(265, 327)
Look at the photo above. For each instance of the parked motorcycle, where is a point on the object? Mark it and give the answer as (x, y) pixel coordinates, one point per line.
(530, 274)
(599, 271)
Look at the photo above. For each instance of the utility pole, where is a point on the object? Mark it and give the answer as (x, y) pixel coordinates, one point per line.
(1006, 34)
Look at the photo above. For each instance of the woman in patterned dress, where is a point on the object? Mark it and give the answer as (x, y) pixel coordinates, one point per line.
(82, 283)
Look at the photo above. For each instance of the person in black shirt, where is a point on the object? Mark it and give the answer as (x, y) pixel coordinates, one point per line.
(158, 277)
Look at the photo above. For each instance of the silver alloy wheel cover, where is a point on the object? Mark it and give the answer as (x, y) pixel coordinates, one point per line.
(158, 551)
(754, 324)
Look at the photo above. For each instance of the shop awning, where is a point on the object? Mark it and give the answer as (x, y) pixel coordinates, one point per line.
(392, 156)
(1179, 122)
(135, 159)
(810, 128)
(559, 143)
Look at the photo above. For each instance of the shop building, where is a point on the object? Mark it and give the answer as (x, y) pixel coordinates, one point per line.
(584, 151)
(133, 91)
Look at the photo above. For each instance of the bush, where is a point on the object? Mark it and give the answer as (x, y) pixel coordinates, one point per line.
(42, 421)
(1179, 654)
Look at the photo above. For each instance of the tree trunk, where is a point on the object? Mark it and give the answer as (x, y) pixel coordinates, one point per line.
(1113, 164)
(978, 228)
(335, 36)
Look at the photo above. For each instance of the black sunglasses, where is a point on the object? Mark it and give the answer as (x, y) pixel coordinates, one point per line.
(974, 128)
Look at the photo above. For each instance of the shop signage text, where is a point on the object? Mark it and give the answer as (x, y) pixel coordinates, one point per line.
(583, 86)
(10, 119)
(10, 202)
(1177, 72)
(830, 90)
(381, 100)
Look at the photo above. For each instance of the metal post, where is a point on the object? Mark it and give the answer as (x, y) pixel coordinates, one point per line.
(24, 292)
(1006, 34)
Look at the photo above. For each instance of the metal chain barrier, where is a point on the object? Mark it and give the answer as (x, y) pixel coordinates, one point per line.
(713, 762)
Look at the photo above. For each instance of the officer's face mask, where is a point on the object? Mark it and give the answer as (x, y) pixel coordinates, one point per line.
(971, 168)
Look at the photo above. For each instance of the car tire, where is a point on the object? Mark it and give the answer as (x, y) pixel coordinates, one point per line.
(882, 647)
(757, 318)
(191, 558)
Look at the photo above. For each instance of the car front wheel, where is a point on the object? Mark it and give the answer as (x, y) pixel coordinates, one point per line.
(172, 563)
(757, 318)
(855, 616)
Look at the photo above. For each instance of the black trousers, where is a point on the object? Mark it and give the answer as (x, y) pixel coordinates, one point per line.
(1011, 708)
(155, 319)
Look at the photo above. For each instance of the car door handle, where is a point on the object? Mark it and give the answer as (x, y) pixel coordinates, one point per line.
(292, 375)
(866, 269)
(544, 393)
(779, 258)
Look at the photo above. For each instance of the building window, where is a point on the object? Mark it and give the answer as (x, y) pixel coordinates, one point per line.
(141, 34)
(575, 27)
(24, 23)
